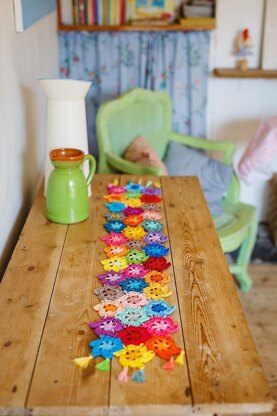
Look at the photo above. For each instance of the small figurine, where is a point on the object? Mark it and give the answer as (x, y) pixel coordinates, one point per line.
(243, 48)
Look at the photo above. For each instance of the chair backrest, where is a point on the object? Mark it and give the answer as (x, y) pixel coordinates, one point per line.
(137, 113)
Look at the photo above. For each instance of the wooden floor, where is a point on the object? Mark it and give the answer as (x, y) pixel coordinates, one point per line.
(260, 307)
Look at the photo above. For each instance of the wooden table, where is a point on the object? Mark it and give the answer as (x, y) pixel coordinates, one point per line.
(46, 300)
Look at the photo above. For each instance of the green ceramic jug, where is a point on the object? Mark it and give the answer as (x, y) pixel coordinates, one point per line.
(67, 188)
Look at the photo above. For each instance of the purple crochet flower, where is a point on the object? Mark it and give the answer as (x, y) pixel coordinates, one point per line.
(111, 278)
(132, 211)
(134, 270)
(155, 237)
(106, 326)
(150, 190)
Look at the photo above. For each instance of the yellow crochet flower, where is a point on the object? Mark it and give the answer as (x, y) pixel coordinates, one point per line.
(156, 291)
(134, 356)
(134, 233)
(114, 263)
(157, 277)
(134, 202)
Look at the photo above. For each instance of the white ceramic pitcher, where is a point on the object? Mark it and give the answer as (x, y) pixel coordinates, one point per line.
(66, 118)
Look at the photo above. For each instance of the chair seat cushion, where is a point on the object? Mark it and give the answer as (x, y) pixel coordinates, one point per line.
(213, 175)
(139, 151)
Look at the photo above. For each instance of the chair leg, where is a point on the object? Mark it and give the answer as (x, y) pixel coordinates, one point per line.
(241, 265)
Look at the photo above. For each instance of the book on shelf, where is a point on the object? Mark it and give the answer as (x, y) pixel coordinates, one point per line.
(94, 12)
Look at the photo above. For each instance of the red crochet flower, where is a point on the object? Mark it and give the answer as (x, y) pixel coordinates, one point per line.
(135, 335)
(163, 346)
(147, 199)
(157, 263)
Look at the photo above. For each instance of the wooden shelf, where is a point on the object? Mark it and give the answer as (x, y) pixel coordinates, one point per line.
(187, 25)
(249, 73)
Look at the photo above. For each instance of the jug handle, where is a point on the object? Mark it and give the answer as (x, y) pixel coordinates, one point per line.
(92, 167)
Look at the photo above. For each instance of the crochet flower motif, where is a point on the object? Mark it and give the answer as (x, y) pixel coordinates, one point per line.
(134, 335)
(115, 189)
(114, 239)
(108, 292)
(115, 197)
(135, 244)
(106, 326)
(133, 285)
(163, 346)
(155, 237)
(151, 215)
(108, 308)
(115, 216)
(114, 263)
(134, 202)
(135, 270)
(132, 211)
(133, 194)
(156, 291)
(151, 207)
(132, 186)
(134, 233)
(132, 316)
(160, 326)
(115, 226)
(136, 257)
(115, 206)
(152, 225)
(111, 278)
(118, 251)
(134, 356)
(148, 199)
(133, 300)
(105, 346)
(157, 277)
(158, 308)
(157, 263)
(133, 220)
(156, 250)
(150, 190)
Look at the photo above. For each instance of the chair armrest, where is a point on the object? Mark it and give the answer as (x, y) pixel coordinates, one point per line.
(227, 148)
(126, 166)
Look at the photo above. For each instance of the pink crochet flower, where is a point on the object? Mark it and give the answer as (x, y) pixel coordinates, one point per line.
(161, 325)
(114, 239)
(133, 300)
(134, 270)
(151, 215)
(115, 189)
(108, 308)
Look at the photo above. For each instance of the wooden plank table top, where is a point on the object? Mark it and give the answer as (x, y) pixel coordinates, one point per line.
(46, 299)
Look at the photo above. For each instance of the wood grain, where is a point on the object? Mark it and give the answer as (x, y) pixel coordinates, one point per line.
(163, 392)
(25, 293)
(57, 383)
(224, 368)
(248, 73)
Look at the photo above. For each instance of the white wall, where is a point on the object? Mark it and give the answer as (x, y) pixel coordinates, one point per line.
(238, 106)
(25, 57)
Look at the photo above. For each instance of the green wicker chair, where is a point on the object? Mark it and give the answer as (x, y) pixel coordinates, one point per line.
(148, 113)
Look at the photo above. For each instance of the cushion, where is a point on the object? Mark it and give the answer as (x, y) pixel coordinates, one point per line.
(213, 175)
(139, 151)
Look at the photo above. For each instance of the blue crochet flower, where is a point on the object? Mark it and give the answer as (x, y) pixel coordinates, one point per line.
(133, 285)
(132, 316)
(156, 250)
(152, 225)
(158, 308)
(115, 206)
(131, 186)
(115, 226)
(105, 346)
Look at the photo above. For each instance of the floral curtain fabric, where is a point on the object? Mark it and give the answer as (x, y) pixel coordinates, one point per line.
(115, 62)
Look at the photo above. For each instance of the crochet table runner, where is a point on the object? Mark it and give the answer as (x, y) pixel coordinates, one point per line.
(134, 318)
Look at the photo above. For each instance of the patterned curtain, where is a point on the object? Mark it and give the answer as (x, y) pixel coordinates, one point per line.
(115, 62)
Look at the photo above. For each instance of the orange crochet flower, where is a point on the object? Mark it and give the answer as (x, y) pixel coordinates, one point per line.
(118, 251)
(157, 277)
(115, 197)
(163, 346)
(133, 220)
